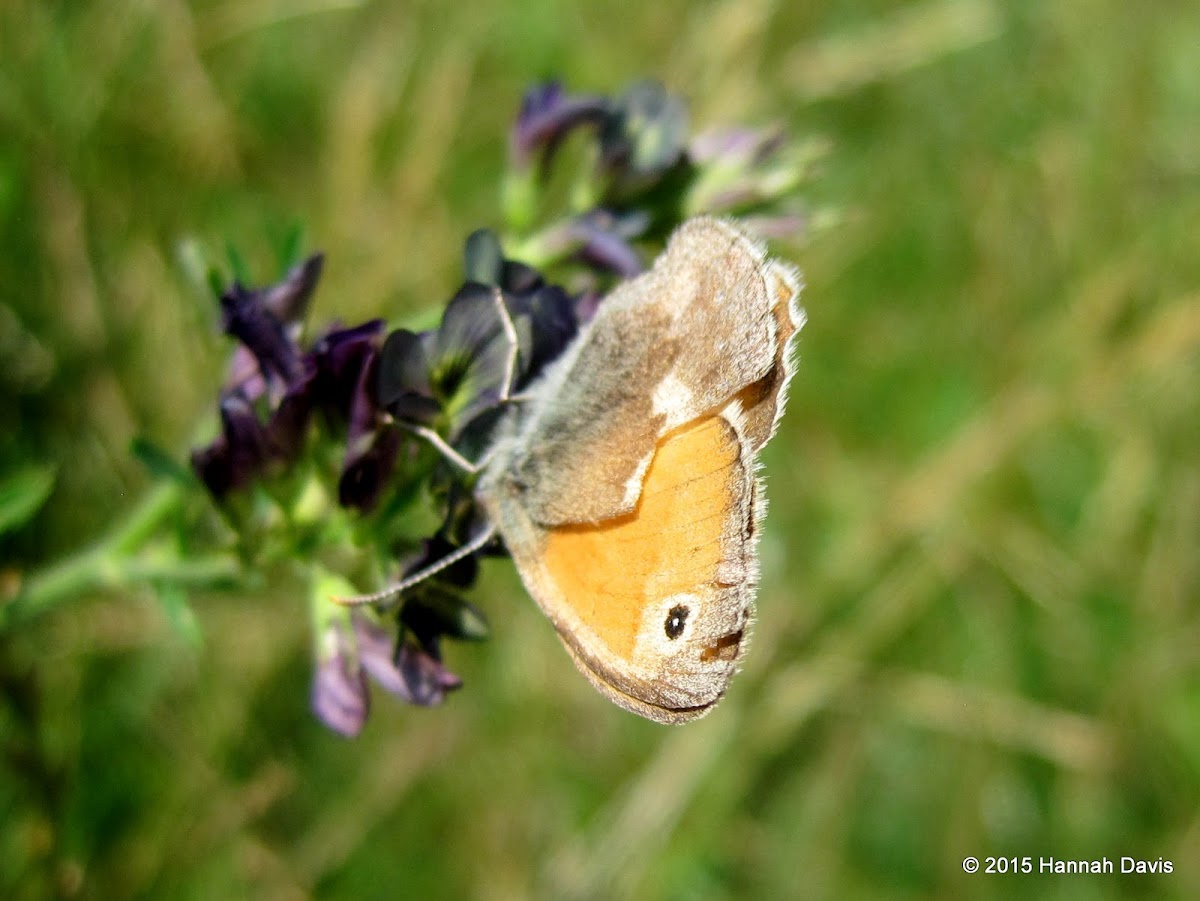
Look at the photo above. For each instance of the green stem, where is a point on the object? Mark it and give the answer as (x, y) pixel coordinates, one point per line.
(146, 519)
(73, 577)
(113, 563)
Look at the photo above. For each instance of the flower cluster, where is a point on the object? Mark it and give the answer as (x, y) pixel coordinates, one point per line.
(357, 389)
(267, 369)
(376, 419)
(643, 173)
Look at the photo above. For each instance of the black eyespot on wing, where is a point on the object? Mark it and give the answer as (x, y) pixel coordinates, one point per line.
(676, 620)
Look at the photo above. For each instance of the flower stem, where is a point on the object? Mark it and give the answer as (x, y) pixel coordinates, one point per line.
(117, 562)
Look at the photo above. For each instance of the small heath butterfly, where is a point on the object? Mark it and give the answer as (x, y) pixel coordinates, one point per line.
(624, 482)
(625, 485)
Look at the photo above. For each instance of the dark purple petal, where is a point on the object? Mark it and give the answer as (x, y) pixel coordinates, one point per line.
(409, 672)
(483, 381)
(246, 319)
(288, 425)
(377, 655)
(484, 264)
(469, 354)
(470, 322)
(552, 325)
(517, 278)
(245, 434)
(371, 447)
(340, 352)
(483, 260)
(245, 375)
(547, 116)
(341, 346)
(432, 612)
(606, 248)
(363, 415)
(340, 358)
(214, 467)
(287, 300)
(237, 454)
(426, 678)
(402, 378)
(367, 469)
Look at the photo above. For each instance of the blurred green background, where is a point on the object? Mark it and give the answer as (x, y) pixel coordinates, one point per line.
(978, 625)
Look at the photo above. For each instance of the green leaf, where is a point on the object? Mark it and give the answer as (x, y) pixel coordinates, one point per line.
(23, 493)
(324, 587)
(237, 263)
(216, 282)
(159, 463)
(179, 613)
(290, 247)
(198, 270)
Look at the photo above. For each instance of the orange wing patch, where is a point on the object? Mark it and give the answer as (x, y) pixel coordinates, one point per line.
(670, 543)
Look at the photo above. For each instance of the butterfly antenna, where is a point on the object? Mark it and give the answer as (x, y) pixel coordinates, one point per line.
(420, 575)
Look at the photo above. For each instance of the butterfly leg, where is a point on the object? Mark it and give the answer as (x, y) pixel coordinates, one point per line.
(510, 332)
(438, 443)
(486, 534)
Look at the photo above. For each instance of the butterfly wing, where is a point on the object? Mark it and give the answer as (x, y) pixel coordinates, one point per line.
(711, 319)
(625, 488)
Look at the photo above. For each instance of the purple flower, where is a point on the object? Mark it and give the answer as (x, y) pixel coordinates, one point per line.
(643, 138)
(266, 368)
(262, 318)
(340, 698)
(275, 386)
(237, 453)
(602, 240)
(338, 360)
(547, 116)
(353, 647)
(404, 669)
(752, 172)
(450, 377)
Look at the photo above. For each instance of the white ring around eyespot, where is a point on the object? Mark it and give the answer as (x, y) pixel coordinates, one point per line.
(653, 638)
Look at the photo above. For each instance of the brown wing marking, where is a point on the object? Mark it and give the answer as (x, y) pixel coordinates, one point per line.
(762, 401)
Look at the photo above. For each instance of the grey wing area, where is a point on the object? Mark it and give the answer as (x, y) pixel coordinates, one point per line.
(724, 320)
(664, 349)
